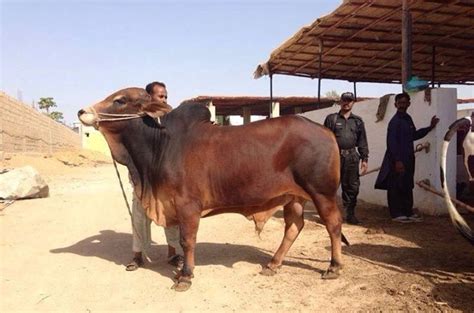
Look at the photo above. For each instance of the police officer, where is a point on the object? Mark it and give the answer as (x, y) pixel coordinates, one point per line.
(350, 134)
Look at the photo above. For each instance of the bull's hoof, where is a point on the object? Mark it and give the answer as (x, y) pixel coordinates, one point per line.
(183, 284)
(268, 271)
(331, 273)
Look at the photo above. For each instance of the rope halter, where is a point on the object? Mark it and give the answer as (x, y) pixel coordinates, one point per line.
(113, 117)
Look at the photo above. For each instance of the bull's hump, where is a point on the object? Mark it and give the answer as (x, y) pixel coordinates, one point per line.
(189, 114)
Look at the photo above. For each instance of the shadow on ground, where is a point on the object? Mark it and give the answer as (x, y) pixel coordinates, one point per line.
(116, 247)
(432, 249)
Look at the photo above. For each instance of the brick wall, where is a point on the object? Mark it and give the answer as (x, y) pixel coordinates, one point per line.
(25, 130)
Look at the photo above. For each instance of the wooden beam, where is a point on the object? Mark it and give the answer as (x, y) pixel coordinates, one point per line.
(387, 50)
(380, 78)
(406, 43)
(347, 39)
(454, 45)
(353, 12)
(396, 21)
(388, 63)
(380, 19)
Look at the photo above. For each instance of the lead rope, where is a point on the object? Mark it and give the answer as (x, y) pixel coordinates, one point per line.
(144, 252)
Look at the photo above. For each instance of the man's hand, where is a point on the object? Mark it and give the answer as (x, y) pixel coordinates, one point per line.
(363, 167)
(434, 121)
(399, 167)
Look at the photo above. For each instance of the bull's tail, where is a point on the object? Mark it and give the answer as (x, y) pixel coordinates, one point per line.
(344, 240)
(456, 218)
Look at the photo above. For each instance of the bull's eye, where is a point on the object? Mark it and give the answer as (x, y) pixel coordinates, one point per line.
(119, 101)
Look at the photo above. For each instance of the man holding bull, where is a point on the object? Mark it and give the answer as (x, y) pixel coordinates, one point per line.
(141, 224)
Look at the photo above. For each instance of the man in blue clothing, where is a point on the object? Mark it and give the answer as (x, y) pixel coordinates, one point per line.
(398, 166)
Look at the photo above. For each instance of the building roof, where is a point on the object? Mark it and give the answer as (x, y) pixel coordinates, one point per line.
(361, 42)
(233, 105)
(469, 100)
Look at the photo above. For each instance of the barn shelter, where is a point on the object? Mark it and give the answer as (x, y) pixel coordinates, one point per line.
(390, 41)
(222, 107)
(382, 41)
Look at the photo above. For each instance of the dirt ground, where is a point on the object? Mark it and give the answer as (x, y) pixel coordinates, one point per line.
(67, 253)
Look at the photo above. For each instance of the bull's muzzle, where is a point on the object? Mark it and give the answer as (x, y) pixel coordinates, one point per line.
(87, 117)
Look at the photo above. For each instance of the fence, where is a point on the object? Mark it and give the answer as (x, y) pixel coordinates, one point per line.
(23, 130)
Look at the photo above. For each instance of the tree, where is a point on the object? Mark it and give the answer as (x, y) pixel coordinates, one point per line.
(46, 103)
(57, 116)
(333, 94)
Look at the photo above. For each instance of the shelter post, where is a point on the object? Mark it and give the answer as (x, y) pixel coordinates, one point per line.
(271, 88)
(355, 91)
(433, 66)
(246, 112)
(319, 69)
(275, 109)
(212, 109)
(406, 43)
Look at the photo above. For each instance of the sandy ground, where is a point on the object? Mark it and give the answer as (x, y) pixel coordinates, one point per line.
(67, 253)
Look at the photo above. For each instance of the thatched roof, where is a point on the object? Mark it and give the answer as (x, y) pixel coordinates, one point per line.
(362, 43)
(233, 105)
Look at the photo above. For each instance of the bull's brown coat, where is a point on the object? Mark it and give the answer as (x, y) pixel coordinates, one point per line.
(186, 167)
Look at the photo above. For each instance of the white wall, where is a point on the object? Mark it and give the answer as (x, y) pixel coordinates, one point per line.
(465, 109)
(443, 104)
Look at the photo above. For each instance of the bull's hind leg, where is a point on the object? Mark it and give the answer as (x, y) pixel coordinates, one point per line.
(331, 216)
(294, 222)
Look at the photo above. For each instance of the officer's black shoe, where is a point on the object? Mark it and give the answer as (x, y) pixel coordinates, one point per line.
(351, 219)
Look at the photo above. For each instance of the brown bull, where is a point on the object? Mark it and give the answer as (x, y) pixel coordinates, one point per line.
(184, 168)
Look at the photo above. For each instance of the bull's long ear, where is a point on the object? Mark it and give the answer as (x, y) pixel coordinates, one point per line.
(156, 109)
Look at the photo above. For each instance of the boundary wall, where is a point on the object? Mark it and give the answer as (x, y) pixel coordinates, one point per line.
(23, 130)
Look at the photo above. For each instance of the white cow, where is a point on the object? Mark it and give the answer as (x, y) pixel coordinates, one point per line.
(468, 146)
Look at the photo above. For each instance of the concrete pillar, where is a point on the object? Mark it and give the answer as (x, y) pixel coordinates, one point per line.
(275, 109)
(246, 112)
(212, 109)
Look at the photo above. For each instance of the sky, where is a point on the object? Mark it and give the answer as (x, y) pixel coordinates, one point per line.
(79, 52)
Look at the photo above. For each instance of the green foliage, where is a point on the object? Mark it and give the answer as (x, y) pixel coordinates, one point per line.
(57, 116)
(46, 103)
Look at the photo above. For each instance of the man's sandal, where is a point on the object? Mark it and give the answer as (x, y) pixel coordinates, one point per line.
(134, 265)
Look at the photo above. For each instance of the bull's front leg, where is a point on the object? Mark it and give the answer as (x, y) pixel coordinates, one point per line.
(188, 216)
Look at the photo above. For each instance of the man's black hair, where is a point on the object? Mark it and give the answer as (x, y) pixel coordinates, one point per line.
(402, 95)
(150, 86)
